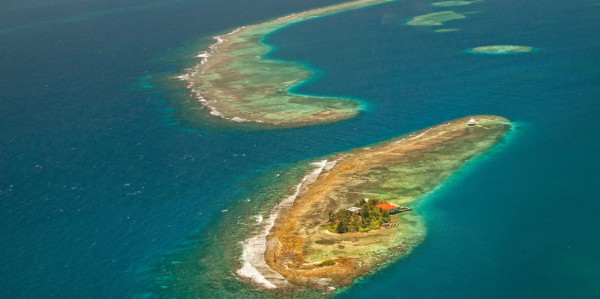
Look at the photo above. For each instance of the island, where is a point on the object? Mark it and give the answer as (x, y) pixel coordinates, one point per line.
(355, 211)
(502, 49)
(236, 82)
(435, 19)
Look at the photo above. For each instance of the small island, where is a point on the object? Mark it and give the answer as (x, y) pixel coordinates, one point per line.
(502, 49)
(352, 213)
(236, 82)
(435, 19)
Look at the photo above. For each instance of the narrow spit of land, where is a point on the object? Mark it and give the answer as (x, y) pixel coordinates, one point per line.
(236, 82)
(294, 250)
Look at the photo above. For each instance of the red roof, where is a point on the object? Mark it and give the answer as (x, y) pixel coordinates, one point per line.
(387, 206)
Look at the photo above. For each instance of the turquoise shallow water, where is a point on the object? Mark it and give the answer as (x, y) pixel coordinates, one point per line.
(103, 186)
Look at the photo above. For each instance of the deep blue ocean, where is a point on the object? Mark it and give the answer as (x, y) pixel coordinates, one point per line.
(101, 180)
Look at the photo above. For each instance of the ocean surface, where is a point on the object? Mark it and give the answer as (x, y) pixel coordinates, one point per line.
(106, 185)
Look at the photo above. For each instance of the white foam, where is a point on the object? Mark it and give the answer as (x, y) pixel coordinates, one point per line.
(236, 30)
(238, 119)
(312, 177)
(183, 77)
(214, 111)
(203, 54)
(419, 136)
(254, 266)
(329, 165)
(249, 271)
(284, 17)
(191, 73)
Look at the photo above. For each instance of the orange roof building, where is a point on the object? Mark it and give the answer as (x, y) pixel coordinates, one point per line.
(388, 206)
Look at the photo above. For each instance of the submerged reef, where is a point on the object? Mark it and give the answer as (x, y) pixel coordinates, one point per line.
(502, 49)
(435, 19)
(453, 3)
(235, 81)
(295, 250)
(446, 30)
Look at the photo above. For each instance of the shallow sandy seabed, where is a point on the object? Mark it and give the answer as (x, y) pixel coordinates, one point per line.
(452, 3)
(401, 171)
(502, 49)
(446, 30)
(435, 19)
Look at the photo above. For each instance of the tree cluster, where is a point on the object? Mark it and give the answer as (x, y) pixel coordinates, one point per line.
(369, 217)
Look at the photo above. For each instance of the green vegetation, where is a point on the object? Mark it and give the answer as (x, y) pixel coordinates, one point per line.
(369, 217)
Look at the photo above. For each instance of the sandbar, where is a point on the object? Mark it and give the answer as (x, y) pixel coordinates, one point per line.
(446, 30)
(295, 250)
(453, 3)
(236, 82)
(502, 49)
(435, 19)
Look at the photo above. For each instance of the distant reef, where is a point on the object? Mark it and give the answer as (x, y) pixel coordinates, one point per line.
(445, 30)
(435, 19)
(453, 3)
(502, 49)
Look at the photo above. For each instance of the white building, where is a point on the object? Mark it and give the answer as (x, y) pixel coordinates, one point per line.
(354, 209)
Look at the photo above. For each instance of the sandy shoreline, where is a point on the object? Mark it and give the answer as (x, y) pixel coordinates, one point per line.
(254, 248)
